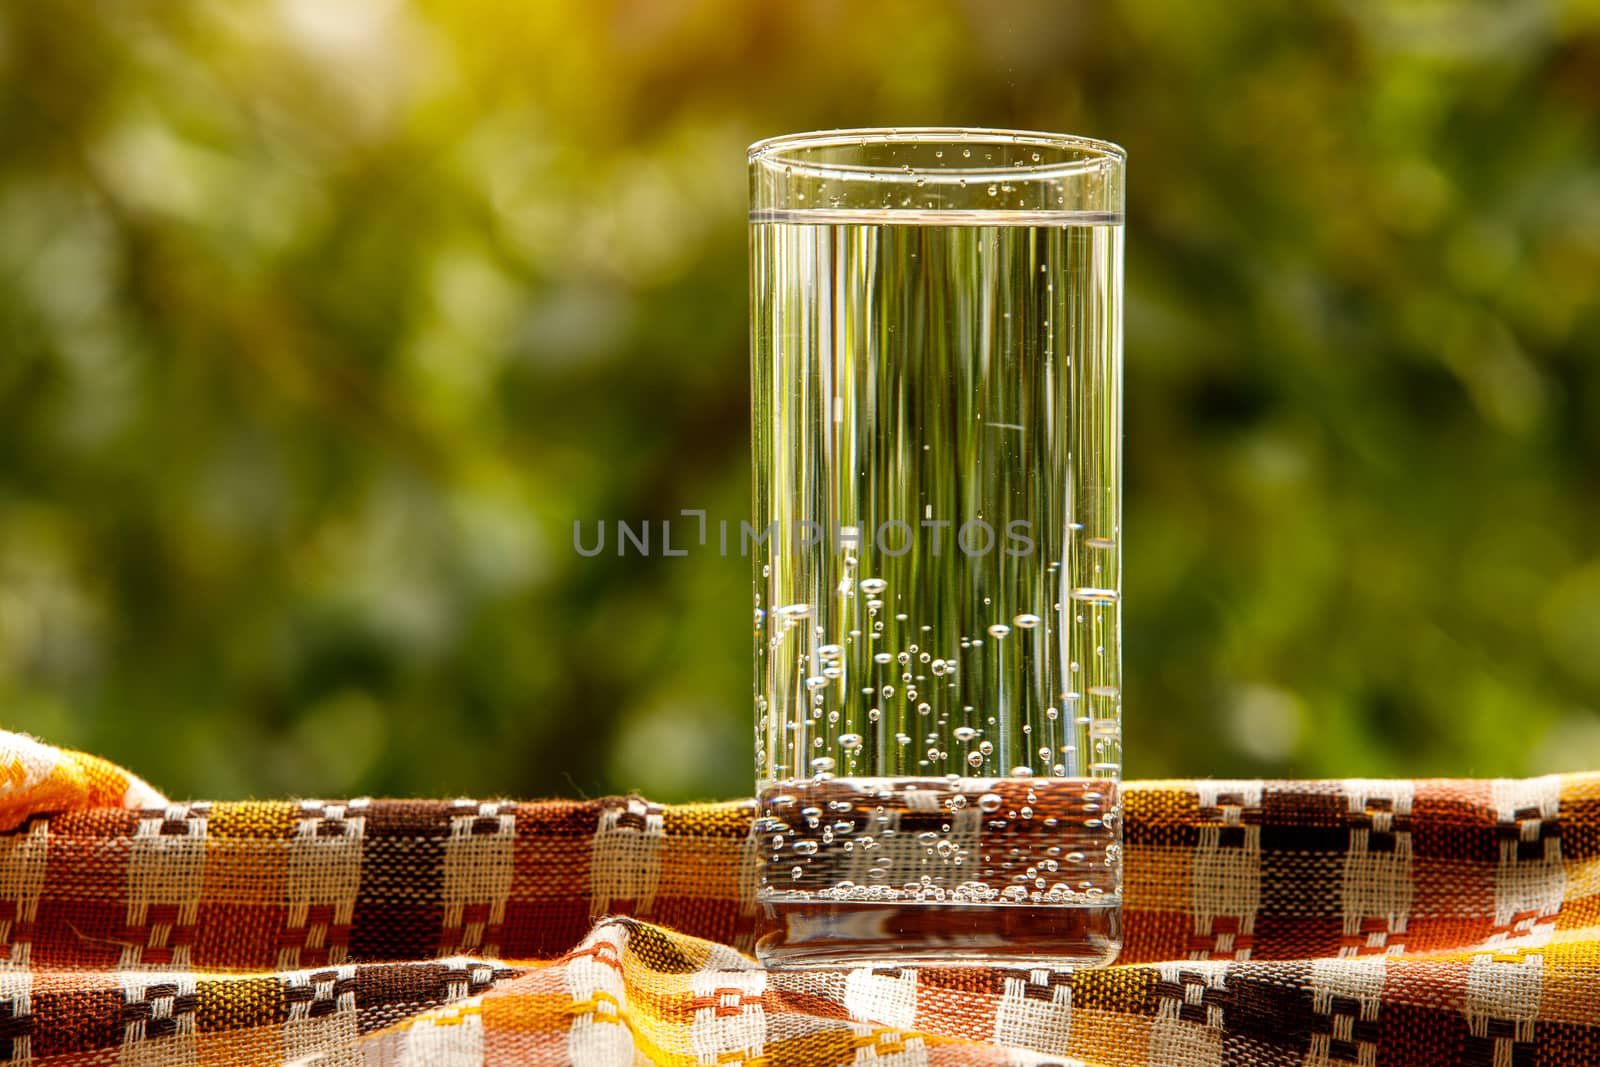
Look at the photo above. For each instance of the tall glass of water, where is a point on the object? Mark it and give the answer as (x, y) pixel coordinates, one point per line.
(936, 347)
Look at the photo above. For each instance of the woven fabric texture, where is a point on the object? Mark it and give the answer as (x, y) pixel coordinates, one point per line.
(1338, 922)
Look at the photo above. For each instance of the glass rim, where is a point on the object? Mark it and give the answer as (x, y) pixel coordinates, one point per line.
(776, 150)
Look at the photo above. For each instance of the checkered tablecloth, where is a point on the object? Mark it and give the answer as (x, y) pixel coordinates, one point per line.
(1337, 922)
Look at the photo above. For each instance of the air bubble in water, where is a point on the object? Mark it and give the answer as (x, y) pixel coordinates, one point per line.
(965, 733)
(1027, 622)
(989, 802)
(882, 657)
(850, 741)
(822, 763)
(999, 630)
(830, 651)
(792, 612)
(975, 759)
(873, 586)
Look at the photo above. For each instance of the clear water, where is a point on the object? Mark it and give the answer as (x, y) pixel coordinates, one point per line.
(923, 869)
(976, 841)
(937, 431)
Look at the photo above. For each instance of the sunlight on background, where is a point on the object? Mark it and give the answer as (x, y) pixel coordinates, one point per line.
(323, 323)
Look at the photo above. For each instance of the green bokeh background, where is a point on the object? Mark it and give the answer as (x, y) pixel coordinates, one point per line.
(320, 324)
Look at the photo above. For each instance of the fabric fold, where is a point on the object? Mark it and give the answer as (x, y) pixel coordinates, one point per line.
(36, 777)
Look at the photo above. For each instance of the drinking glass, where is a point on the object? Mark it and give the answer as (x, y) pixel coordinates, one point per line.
(936, 354)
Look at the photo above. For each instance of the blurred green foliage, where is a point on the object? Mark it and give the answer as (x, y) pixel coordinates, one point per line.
(320, 323)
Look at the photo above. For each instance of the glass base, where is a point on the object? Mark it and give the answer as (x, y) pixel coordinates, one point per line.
(827, 934)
